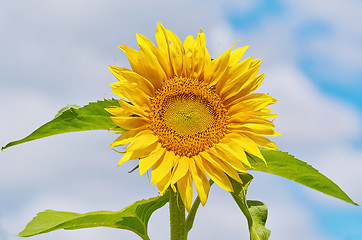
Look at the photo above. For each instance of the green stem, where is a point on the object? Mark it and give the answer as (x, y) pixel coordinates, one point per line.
(177, 217)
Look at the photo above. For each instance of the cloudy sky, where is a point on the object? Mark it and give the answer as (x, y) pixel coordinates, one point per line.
(54, 53)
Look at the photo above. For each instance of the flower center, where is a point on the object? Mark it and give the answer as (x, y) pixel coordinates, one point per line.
(187, 116)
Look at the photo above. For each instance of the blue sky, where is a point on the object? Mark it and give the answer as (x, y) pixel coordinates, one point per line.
(56, 53)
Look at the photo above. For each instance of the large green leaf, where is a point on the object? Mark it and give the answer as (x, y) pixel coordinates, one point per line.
(255, 212)
(73, 118)
(134, 217)
(287, 166)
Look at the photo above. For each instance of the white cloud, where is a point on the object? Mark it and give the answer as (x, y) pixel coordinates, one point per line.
(343, 45)
(307, 117)
(342, 14)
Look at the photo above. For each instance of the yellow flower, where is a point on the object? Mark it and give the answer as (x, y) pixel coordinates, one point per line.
(189, 117)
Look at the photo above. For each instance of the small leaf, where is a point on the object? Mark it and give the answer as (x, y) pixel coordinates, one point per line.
(259, 213)
(287, 166)
(73, 118)
(134, 217)
(255, 212)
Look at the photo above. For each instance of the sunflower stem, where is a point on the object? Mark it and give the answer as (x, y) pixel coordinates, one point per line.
(177, 217)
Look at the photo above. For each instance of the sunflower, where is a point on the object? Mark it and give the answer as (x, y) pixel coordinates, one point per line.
(190, 118)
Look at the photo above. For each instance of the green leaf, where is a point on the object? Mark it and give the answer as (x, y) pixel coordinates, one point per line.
(259, 213)
(73, 118)
(287, 166)
(255, 212)
(134, 217)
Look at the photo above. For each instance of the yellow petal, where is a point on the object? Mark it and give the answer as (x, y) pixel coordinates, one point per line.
(135, 95)
(219, 163)
(117, 85)
(162, 59)
(233, 149)
(126, 137)
(195, 57)
(248, 145)
(254, 101)
(138, 153)
(261, 140)
(250, 86)
(184, 186)
(238, 83)
(164, 49)
(199, 56)
(147, 53)
(255, 62)
(164, 183)
(207, 58)
(125, 158)
(180, 170)
(162, 167)
(118, 111)
(201, 182)
(232, 74)
(189, 46)
(238, 121)
(217, 68)
(142, 62)
(221, 150)
(218, 176)
(147, 162)
(142, 140)
(253, 128)
(129, 122)
(132, 108)
(259, 123)
(133, 58)
(236, 55)
(176, 52)
(124, 74)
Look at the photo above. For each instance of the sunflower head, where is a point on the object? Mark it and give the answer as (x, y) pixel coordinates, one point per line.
(189, 118)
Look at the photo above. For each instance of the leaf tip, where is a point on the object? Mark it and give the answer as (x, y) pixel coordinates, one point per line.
(356, 204)
(21, 234)
(5, 147)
